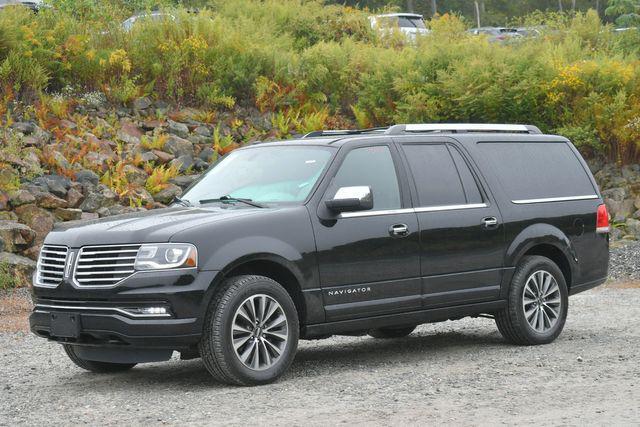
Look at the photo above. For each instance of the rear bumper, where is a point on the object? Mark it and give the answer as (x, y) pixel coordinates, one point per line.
(106, 317)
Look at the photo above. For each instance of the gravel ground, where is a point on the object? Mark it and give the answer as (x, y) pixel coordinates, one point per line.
(453, 373)
(624, 263)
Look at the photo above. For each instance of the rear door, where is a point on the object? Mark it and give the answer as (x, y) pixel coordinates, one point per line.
(461, 231)
(365, 267)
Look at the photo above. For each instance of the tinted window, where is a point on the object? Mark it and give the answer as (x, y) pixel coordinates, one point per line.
(372, 166)
(537, 170)
(405, 22)
(435, 174)
(469, 183)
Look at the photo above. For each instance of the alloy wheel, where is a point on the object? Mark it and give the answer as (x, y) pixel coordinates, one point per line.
(541, 301)
(259, 332)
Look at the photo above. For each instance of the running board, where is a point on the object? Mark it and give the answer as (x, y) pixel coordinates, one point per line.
(402, 319)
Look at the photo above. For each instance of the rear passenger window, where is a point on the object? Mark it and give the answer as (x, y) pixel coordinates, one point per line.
(373, 167)
(439, 179)
(537, 170)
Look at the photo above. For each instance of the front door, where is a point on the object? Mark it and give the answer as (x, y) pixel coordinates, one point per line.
(369, 260)
(461, 232)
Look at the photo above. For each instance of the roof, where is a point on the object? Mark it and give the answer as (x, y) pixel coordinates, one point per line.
(399, 15)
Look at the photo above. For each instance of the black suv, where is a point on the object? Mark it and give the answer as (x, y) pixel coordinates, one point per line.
(341, 232)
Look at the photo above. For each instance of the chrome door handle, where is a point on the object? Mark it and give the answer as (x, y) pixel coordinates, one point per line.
(490, 221)
(399, 230)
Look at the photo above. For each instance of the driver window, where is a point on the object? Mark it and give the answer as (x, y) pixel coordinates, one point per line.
(372, 166)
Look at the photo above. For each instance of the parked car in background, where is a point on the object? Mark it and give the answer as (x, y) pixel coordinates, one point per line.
(341, 232)
(34, 5)
(410, 24)
(127, 25)
(497, 34)
(530, 31)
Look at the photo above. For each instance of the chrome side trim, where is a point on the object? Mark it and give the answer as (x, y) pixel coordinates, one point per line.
(87, 308)
(554, 199)
(413, 210)
(451, 207)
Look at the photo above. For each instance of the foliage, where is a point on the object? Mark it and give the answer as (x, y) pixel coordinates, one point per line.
(7, 279)
(625, 11)
(306, 65)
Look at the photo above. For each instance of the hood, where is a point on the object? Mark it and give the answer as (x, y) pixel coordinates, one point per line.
(156, 226)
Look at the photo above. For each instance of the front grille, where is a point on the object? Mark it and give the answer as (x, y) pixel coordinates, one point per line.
(104, 266)
(51, 263)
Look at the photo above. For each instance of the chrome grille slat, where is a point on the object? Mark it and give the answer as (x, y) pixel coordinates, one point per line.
(104, 266)
(51, 264)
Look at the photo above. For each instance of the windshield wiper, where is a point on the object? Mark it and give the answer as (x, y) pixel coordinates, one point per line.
(181, 201)
(228, 198)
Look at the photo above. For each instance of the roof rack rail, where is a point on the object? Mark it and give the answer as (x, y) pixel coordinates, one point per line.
(339, 132)
(461, 127)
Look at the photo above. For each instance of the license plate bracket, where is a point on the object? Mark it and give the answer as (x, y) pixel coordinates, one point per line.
(65, 325)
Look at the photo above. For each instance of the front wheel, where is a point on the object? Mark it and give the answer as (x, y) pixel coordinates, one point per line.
(251, 331)
(92, 365)
(537, 304)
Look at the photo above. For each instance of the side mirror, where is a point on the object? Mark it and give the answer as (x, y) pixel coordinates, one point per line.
(351, 199)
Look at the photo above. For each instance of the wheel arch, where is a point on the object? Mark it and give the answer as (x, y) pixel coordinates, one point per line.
(548, 241)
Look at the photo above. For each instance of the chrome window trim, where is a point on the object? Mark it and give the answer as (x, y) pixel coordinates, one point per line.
(36, 283)
(554, 199)
(413, 210)
(88, 308)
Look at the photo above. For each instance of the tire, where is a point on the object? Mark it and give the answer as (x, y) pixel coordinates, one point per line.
(396, 332)
(529, 316)
(93, 366)
(266, 353)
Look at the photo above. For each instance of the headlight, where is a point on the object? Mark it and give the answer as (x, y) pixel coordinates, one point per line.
(166, 255)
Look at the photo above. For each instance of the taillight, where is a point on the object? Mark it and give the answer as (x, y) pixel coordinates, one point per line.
(602, 219)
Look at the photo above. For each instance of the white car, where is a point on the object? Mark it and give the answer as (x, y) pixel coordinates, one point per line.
(34, 5)
(410, 24)
(128, 24)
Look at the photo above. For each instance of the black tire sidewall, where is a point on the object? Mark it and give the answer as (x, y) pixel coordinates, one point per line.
(523, 272)
(274, 290)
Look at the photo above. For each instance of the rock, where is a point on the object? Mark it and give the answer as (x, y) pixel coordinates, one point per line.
(183, 163)
(149, 156)
(619, 211)
(135, 175)
(18, 269)
(49, 201)
(152, 124)
(179, 129)
(199, 165)
(97, 161)
(203, 131)
(633, 227)
(89, 216)
(129, 133)
(67, 214)
(56, 184)
(178, 146)
(8, 216)
(142, 103)
(101, 197)
(8, 179)
(40, 220)
(208, 154)
(163, 157)
(615, 194)
(167, 194)
(74, 197)
(26, 128)
(4, 201)
(138, 197)
(21, 197)
(85, 175)
(183, 181)
(16, 237)
(33, 252)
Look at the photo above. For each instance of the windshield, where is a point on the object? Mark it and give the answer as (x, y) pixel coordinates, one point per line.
(263, 174)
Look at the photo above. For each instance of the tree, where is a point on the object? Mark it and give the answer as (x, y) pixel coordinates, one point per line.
(626, 11)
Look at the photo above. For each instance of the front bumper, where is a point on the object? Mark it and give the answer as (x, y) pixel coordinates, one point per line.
(106, 317)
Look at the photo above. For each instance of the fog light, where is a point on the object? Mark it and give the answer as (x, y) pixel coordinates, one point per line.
(147, 311)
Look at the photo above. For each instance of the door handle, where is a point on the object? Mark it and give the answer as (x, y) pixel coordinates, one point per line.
(490, 222)
(399, 230)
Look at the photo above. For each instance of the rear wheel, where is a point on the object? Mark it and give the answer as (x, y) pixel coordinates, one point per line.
(537, 304)
(251, 331)
(397, 332)
(93, 366)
